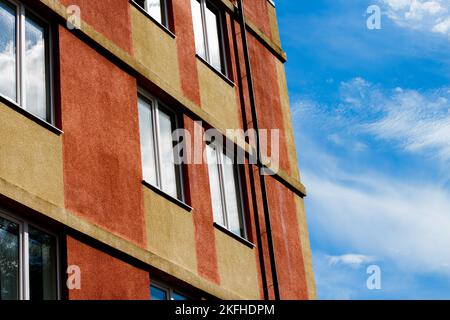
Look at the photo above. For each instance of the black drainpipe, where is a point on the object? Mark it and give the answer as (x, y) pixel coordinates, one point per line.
(262, 179)
(250, 171)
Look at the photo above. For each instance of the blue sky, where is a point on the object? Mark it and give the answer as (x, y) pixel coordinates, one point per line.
(371, 112)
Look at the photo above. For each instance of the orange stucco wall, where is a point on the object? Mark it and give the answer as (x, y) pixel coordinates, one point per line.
(288, 250)
(104, 277)
(267, 95)
(184, 30)
(109, 17)
(200, 198)
(101, 147)
(256, 11)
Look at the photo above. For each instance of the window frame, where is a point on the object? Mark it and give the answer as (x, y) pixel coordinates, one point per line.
(165, 19)
(155, 106)
(24, 253)
(221, 34)
(220, 153)
(169, 290)
(21, 10)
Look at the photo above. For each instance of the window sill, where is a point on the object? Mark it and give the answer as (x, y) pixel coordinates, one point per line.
(167, 196)
(220, 74)
(233, 235)
(160, 25)
(30, 116)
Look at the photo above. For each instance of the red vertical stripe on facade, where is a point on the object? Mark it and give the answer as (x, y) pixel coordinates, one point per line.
(237, 68)
(101, 145)
(200, 198)
(104, 277)
(288, 250)
(109, 17)
(256, 11)
(184, 31)
(267, 95)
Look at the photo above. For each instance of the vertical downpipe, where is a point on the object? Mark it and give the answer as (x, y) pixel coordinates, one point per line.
(260, 165)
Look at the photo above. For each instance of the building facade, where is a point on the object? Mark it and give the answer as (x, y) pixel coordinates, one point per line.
(94, 200)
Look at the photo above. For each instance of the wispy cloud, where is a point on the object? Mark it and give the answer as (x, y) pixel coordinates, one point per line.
(415, 121)
(363, 213)
(419, 122)
(350, 259)
(367, 206)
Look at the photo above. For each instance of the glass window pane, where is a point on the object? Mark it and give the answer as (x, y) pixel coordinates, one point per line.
(9, 260)
(232, 196)
(141, 3)
(214, 184)
(212, 29)
(8, 51)
(198, 28)
(178, 297)
(43, 274)
(158, 294)
(168, 169)
(35, 69)
(147, 142)
(155, 9)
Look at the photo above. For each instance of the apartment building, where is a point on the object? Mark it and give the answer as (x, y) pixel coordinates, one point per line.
(94, 202)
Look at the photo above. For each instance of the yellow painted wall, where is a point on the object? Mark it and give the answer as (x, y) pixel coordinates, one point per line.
(170, 230)
(155, 49)
(31, 156)
(275, 34)
(218, 98)
(237, 266)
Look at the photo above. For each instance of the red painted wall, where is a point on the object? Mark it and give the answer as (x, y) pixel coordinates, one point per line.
(249, 206)
(101, 147)
(282, 203)
(267, 95)
(187, 62)
(109, 17)
(288, 250)
(200, 198)
(104, 277)
(257, 12)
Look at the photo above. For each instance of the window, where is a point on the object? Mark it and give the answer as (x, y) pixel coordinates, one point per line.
(160, 292)
(24, 59)
(28, 262)
(159, 167)
(157, 9)
(226, 194)
(208, 33)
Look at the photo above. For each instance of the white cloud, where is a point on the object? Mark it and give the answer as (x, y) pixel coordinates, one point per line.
(426, 15)
(419, 122)
(375, 215)
(416, 121)
(405, 222)
(402, 221)
(442, 27)
(350, 259)
(337, 281)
